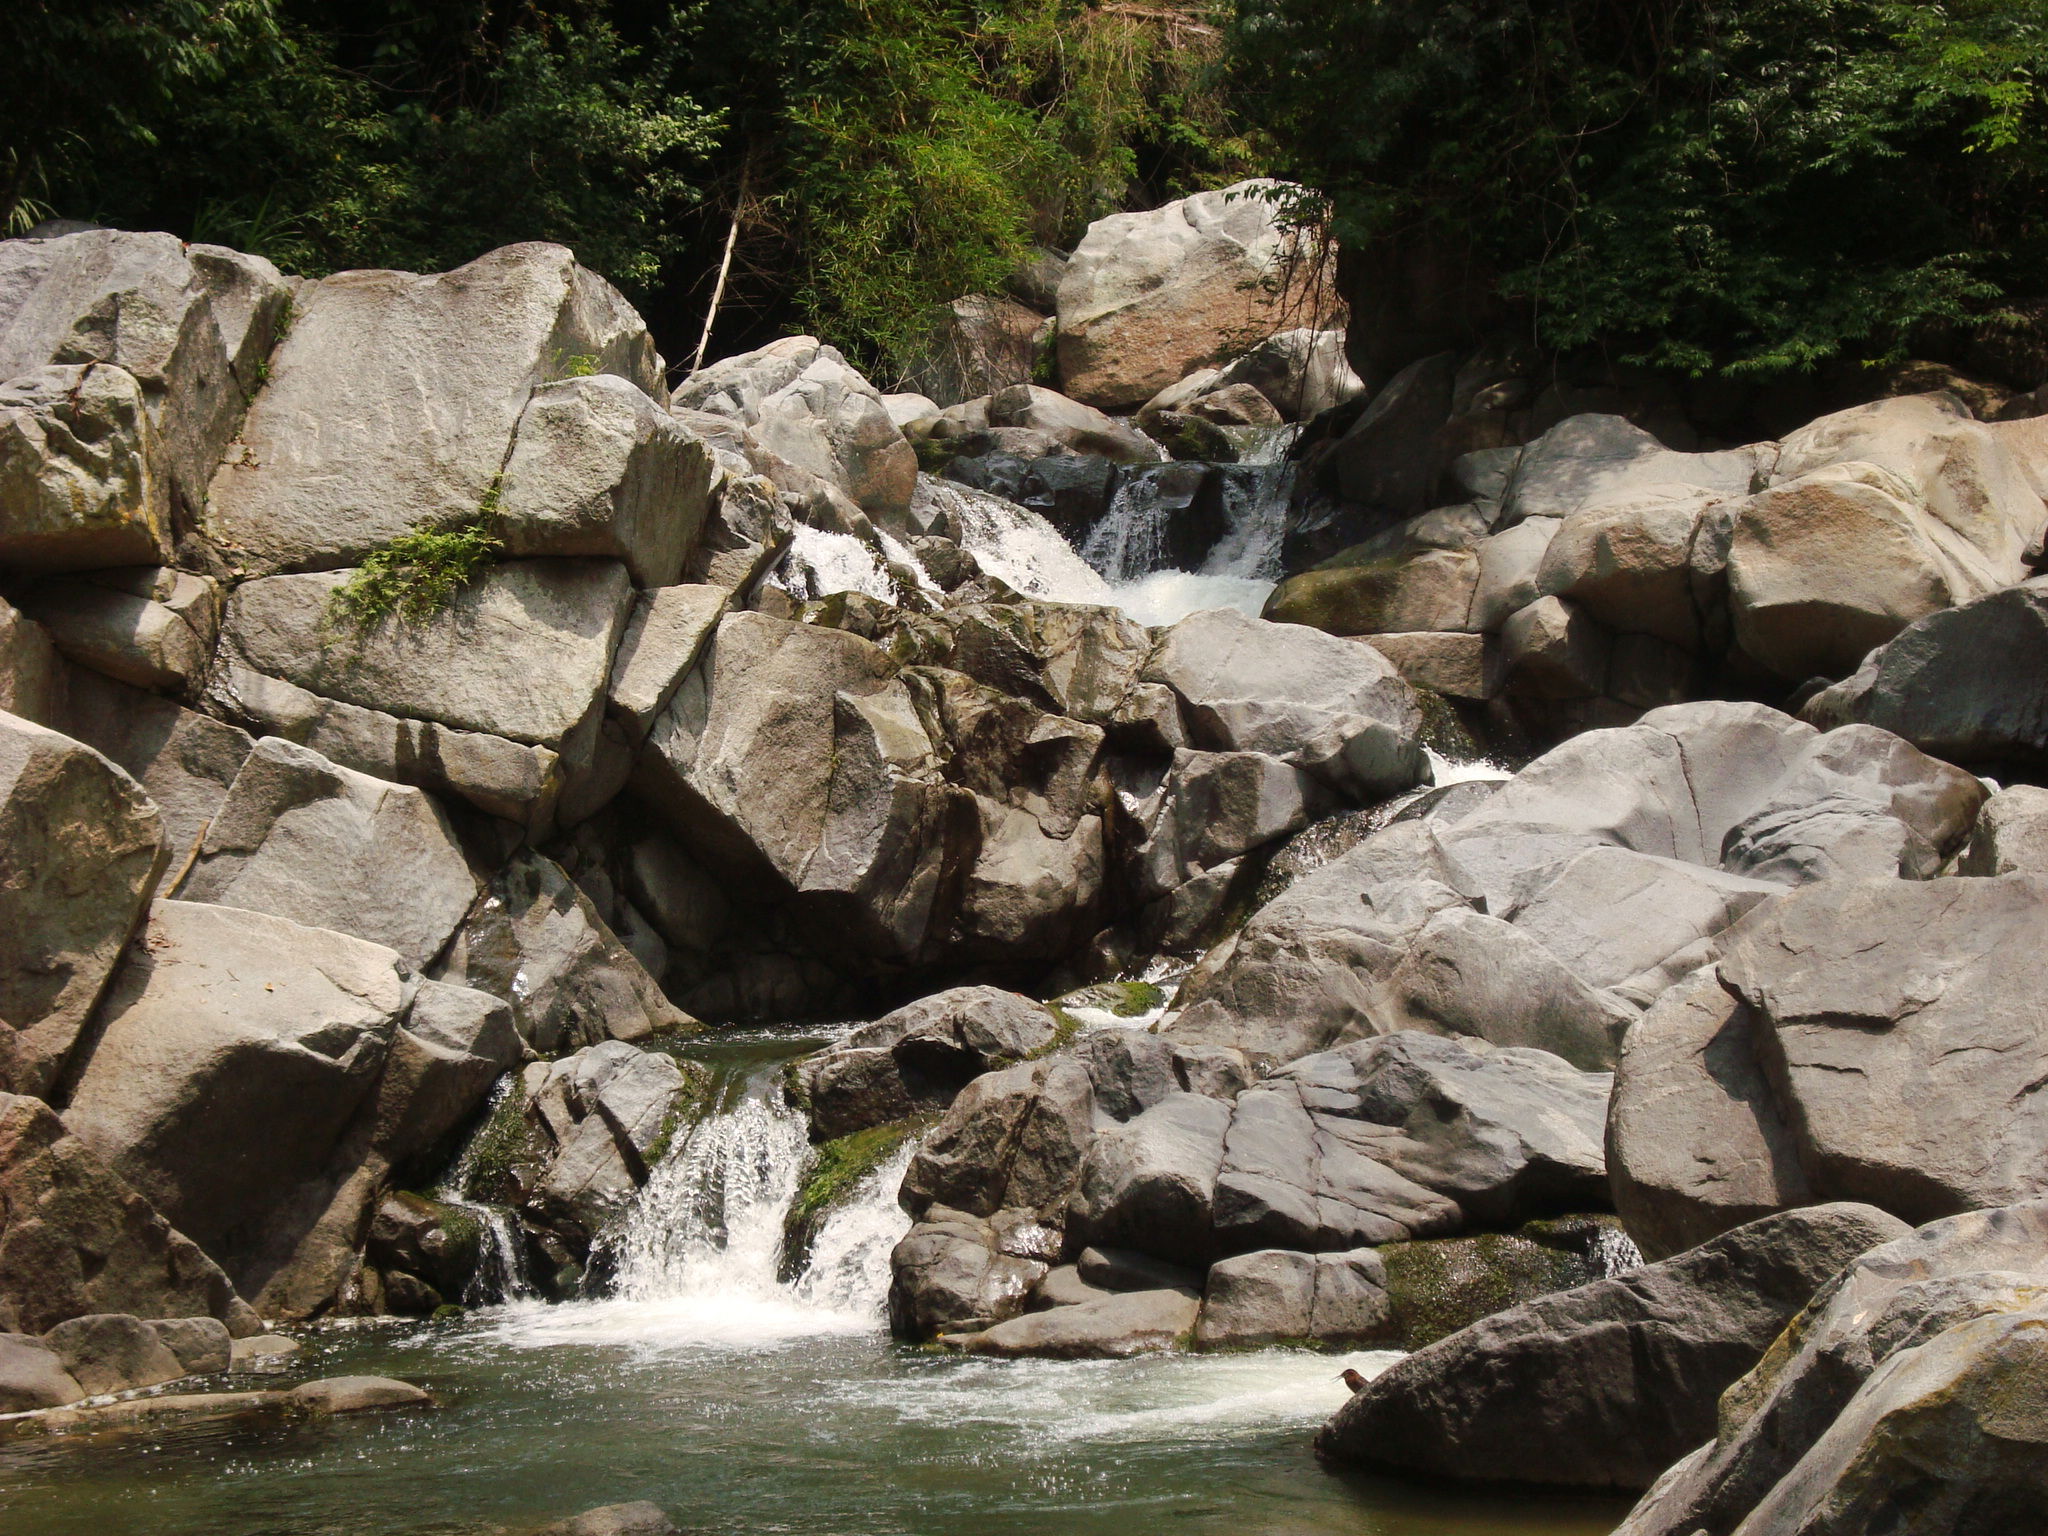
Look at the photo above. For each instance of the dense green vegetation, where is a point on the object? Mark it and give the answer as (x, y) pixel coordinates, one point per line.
(1711, 185)
(879, 155)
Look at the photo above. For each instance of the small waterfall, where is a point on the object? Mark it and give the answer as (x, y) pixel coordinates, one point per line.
(1012, 543)
(501, 1271)
(1179, 538)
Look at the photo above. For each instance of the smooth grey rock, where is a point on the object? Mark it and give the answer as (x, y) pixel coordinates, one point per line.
(34, 679)
(1965, 684)
(606, 1107)
(147, 625)
(807, 405)
(793, 755)
(917, 1058)
(597, 468)
(1465, 973)
(1062, 1286)
(76, 451)
(1148, 297)
(1303, 372)
(1014, 1139)
(357, 1394)
(1696, 1142)
(1593, 460)
(265, 1354)
(523, 652)
(535, 940)
(637, 1519)
(2011, 834)
(113, 1352)
(81, 849)
(1276, 1296)
(1080, 428)
(75, 1238)
(668, 631)
(1554, 650)
(192, 324)
(1612, 914)
(32, 1376)
(203, 1345)
(1603, 1386)
(1303, 973)
(1127, 1269)
(521, 783)
(1628, 561)
(301, 838)
(1150, 1184)
(1509, 564)
(955, 1271)
(394, 399)
(1507, 1132)
(1133, 1323)
(225, 1030)
(1784, 1428)
(1900, 1024)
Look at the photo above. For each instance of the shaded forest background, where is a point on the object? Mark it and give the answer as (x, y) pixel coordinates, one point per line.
(1708, 186)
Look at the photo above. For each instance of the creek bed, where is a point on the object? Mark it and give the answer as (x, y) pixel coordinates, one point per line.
(761, 1417)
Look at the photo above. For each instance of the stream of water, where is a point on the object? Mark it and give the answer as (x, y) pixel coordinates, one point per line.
(743, 1402)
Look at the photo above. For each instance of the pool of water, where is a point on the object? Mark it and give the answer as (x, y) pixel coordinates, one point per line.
(760, 1418)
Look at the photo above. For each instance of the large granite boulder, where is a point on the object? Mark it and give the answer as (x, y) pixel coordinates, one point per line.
(523, 652)
(1149, 297)
(183, 760)
(1113, 1328)
(535, 940)
(76, 1238)
(76, 471)
(597, 468)
(1335, 710)
(301, 838)
(916, 1059)
(793, 757)
(234, 1050)
(1878, 516)
(1597, 460)
(2011, 835)
(1903, 1032)
(604, 1112)
(331, 464)
(81, 849)
(1966, 684)
(190, 325)
(807, 405)
(1896, 1386)
(1606, 1385)
(1860, 1039)
(32, 1376)
(1275, 1296)
(148, 625)
(958, 1273)
(1012, 1140)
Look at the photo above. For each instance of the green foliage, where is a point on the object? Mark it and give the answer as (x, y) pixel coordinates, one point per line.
(837, 1168)
(499, 1145)
(1744, 186)
(418, 573)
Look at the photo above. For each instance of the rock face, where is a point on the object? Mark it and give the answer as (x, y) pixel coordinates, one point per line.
(1606, 1385)
(75, 459)
(76, 1238)
(806, 405)
(915, 1060)
(81, 849)
(1900, 1384)
(1964, 684)
(303, 493)
(1550, 914)
(300, 838)
(1276, 1297)
(234, 1050)
(1861, 1040)
(187, 326)
(1149, 297)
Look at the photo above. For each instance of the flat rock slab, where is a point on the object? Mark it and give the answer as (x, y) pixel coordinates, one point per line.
(1134, 1323)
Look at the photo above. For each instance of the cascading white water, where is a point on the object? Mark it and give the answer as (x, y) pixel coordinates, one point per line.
(1130, 544)
(501, 1273)
(696, 1259)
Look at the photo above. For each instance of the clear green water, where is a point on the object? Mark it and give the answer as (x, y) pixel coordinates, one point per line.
(549, 1411)
(743, 1404)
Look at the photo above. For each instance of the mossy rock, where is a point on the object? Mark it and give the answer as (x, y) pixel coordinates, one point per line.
(1124, 999)
(505, 1141)
(1439, 1285)
(836, 1170)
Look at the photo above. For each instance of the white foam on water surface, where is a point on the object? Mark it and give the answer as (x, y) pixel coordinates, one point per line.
(1443, 771)
(1167, 597)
